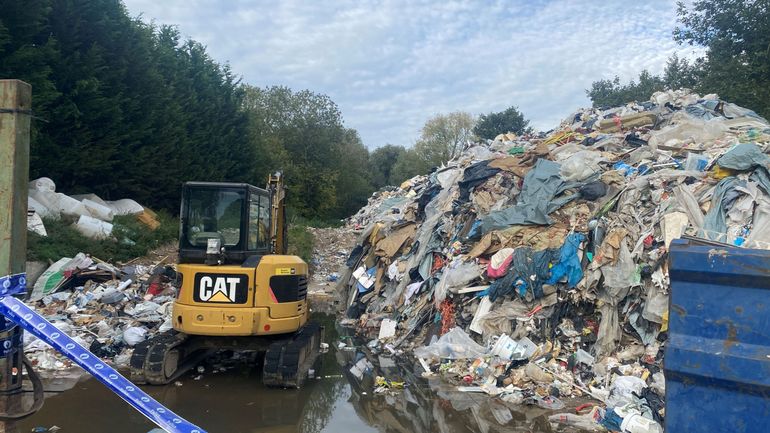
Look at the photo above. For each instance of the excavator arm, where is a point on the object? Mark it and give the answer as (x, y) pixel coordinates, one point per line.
(277, 212)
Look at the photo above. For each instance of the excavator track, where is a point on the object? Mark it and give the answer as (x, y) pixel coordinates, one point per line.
(287, 361)
(164, 358)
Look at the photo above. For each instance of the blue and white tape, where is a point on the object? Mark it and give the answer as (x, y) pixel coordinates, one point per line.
(13, 284)
(36, 324)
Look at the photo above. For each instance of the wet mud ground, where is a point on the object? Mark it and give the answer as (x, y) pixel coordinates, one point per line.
(234, 401)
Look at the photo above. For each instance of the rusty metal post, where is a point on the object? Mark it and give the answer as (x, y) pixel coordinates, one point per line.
(15, 116)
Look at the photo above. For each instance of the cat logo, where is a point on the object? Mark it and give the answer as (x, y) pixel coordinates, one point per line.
(221, 288)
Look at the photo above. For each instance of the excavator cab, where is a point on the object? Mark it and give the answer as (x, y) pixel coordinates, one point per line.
(238, 289)
(224, 223)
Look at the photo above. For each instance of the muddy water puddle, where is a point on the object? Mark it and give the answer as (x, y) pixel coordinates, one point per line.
(341, 399)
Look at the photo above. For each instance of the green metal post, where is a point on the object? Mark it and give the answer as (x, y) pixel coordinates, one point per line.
(15, 114)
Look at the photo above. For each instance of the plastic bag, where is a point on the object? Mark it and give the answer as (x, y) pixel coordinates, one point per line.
(609, 330)
(134, 335)
(455, 344)
(581, 165)
(589, 421)
(42, 184)
(456, 276)
(125, 206)
(657, 305)
(93, 228)
(98, 211)
(659, 383)
(622, 390)
(549, 402)
(687, 200)
(35, 224)
(689, 129)
(537, 374)
(620, 275)
(50, 280)
(59, 204)
(498, 321)
(40, 209)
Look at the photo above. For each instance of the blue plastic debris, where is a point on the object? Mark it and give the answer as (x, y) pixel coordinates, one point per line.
(569, 262)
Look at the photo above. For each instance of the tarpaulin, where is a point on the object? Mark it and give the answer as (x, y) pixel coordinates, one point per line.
(527, 273)
(724, 195)
(535, 201)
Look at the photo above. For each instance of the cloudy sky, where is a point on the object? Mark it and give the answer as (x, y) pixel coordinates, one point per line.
(390, 65)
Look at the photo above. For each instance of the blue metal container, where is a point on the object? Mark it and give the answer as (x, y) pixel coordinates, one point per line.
(717, 362)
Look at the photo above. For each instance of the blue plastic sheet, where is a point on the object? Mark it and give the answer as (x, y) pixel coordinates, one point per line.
(569, 262)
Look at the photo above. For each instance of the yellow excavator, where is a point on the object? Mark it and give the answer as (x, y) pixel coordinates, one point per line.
(238, 290)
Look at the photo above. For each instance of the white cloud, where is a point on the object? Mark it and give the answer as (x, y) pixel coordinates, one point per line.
(390, 65)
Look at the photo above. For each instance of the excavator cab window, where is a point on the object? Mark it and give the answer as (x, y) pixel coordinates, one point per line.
(259, 221)
(234, 215)
(214, 214)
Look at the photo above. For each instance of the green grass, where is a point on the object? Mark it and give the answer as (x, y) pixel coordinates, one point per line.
(300, 242)
(131, 239)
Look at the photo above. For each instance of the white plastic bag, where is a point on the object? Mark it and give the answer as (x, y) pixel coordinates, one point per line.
(125, 206)
(622, 390)
(134, 335)
(35, 224)
(456, 276)
(97, 210)
(42, 184)
(455, 344)
(93, 228)
(581, 165)
(59, 204)
(39, 209)
(689, 129)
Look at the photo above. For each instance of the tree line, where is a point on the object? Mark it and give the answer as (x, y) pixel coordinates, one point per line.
(126, 108)
(736, 63)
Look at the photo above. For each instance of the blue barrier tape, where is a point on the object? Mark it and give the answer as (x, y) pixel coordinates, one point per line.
(36, 324)
(13, 284)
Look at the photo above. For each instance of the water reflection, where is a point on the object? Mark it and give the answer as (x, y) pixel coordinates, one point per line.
(428, 405)
(342, 400)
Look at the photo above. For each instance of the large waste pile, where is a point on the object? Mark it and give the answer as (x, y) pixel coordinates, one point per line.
(534, 268)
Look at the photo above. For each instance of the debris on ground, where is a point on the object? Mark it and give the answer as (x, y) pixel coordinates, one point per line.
(330, 251)
(107, 309)
(534, 268)
(331, 248)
